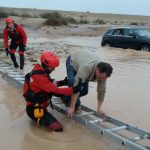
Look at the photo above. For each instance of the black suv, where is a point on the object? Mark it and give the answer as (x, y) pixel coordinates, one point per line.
(126, 37)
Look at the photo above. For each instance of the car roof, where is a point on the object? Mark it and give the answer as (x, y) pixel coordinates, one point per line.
(126, 28)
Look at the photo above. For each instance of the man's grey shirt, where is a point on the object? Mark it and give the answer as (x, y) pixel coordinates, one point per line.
(84, 63)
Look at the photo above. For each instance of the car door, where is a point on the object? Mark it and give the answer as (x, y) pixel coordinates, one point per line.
(131, 39)
(117, 37)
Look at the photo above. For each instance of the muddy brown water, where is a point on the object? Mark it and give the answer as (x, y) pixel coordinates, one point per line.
(19, 133)
(127, 99)
(128, 89)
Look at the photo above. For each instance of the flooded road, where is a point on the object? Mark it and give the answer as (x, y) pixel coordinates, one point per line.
(127, 99)
(19, 133)
(128, 89)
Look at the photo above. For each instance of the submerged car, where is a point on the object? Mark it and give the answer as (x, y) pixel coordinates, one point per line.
(127, 37)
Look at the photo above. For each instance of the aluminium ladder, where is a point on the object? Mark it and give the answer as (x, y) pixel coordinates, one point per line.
(131, 137)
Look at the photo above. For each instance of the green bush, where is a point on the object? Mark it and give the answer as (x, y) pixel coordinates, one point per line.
(72, 20)
(134, 23)
(52, 21)
(55, 19)
(99, 21)
(46, 15)
(83, 21)
(51, 14)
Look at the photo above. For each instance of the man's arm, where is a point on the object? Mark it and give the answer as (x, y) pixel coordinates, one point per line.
(99, 111)
(101, 89)
(71, 109)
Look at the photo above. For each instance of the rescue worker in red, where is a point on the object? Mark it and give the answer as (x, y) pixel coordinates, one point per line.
(18, 39)
(39, 88)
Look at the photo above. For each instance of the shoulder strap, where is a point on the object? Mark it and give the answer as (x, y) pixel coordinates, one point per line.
(33, 72)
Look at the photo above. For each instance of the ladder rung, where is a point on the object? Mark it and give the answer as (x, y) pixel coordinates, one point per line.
(118, 128)
(86, 113)
(19, 78)
(5, 67)
(96, 121)
(13, 71)
(16, 75)
(137, 138)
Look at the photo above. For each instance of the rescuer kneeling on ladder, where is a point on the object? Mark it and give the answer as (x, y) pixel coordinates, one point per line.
(39, 88)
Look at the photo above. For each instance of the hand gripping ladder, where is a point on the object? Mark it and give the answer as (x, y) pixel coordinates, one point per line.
(131, 137)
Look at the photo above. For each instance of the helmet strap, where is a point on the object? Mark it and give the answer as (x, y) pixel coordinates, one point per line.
(45, 68)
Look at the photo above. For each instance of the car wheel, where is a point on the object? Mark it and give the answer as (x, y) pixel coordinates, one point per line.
(145, 47)
(107, 44)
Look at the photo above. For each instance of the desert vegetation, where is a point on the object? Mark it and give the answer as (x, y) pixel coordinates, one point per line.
(59, 18)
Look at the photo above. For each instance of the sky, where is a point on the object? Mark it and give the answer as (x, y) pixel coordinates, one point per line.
(131, 7)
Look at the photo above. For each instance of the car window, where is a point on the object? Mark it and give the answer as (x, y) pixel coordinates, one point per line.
(118, 32)
(109, 32)
(129, 32)
(142, 32)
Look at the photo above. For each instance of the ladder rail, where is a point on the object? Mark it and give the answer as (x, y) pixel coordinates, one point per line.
(116, 122)
(106, 132)
(12, 80)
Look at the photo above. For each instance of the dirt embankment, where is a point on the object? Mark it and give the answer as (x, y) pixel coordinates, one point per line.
(42, 37)
(89, 24)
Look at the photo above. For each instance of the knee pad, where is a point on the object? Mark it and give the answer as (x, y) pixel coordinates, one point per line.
(56, 126)
(12, 51)
(21, 52)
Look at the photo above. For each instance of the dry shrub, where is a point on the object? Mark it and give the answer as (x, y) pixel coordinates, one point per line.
(55, 19)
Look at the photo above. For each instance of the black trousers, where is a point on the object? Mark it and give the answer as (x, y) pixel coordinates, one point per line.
(47, 120)
(13, 46)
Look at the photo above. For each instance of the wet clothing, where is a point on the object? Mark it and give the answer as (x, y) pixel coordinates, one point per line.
(47, 120)
(18, 39)
(39, 90)
(84, 64)
(71, 73)
(17, 35)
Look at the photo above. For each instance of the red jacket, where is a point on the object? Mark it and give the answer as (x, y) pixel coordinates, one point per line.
(17, 35)
(42, 83)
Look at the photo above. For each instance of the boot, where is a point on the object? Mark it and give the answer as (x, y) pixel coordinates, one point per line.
(13, 58)
(21, 62)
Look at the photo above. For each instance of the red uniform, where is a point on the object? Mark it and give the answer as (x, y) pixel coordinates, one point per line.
(18, 39)
(42, 83)
(17, 35)
(41, 88)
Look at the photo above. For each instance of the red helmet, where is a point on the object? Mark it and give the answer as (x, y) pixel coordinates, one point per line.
(50, 59)
(9, 20)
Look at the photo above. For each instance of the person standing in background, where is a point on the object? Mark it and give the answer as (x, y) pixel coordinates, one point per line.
(18, 38)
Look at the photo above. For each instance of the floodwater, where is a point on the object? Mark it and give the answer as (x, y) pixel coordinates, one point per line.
(128, 89)
(18, 132)
(127, 99)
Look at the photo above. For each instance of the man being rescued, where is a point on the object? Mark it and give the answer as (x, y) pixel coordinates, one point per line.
(39, 88)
